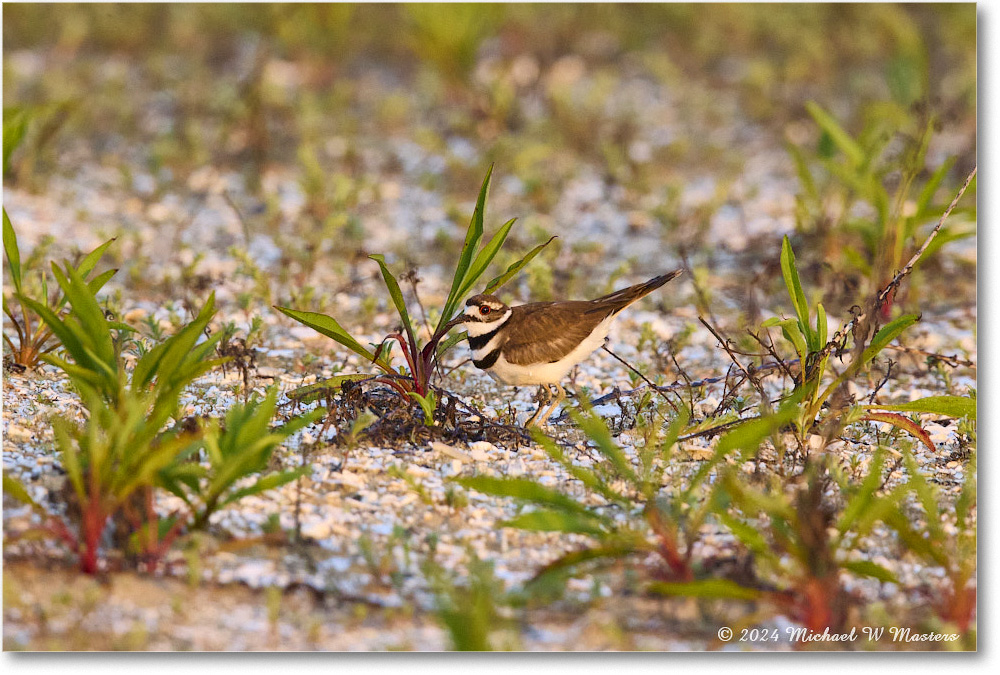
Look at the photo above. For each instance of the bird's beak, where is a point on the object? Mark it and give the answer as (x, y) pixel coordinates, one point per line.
(461, 318)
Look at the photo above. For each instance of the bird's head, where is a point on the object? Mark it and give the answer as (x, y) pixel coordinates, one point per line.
(480, 311)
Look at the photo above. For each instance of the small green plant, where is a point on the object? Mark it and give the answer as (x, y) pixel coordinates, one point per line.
(240, 447)
(428, 404)
(849, 200)
(470, 609)
(34, 337)
(800, 544)
(661, 521)
(825, 407)
(953, 550)
(422, 358)
(122, 446)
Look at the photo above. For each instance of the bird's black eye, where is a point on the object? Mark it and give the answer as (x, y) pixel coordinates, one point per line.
(484, 310)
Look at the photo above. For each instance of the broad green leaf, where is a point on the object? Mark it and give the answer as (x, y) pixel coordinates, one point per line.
(328, 326)
(523, 489)
(497, 282)
(12, 251)
(887, 334)
(867, 568)
(90, 261)
(932, 185)
(573, 558)
(840, 138)
(97, 283)
(950, 406)
(821, 327)
(794, 286)
(15, 124)
(706, 588)
(472, 237)
(265, 483)
(790, 330)
(548, 520)
(484, 258)
(396, 294)
(14, 489)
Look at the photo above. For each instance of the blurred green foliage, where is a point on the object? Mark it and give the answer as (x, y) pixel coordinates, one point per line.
(908, 52)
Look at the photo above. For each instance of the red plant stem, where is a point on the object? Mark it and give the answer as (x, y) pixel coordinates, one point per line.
(668, 546)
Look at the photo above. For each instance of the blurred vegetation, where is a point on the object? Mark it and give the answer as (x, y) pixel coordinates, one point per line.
(777, 56)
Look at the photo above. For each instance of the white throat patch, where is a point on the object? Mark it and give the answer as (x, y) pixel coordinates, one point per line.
(476, 328)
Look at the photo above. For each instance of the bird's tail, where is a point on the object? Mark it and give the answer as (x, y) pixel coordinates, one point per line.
(621, 299)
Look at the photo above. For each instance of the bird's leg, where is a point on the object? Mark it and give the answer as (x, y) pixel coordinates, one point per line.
(543, 396)
(560, 397)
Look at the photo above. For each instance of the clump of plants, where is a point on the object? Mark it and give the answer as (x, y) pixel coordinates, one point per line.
(802, 528)
(34, 337)
(658, 522)
(127, 448)
(864, 198)
(421, 357)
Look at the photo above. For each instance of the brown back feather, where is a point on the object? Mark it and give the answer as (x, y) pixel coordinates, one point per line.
(560, 325)
(548, 331)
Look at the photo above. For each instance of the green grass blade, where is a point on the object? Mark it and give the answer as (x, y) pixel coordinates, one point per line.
(68, 338)
(97, 283)
(497, 282)
(396, 294)
(523, 489)
(483, 260)
(472, 238)
(564, 563)
(840, 138)
(85, 308)
(180, 346)
(887, 334)
(932, 185)
(15, 489)
(821, 326)
(706, 588)
(865, 495)
(328, 326)
(15, 125)
(549, 520)
(867, 568)
(794, 286)
(12, 251)
(88, 264)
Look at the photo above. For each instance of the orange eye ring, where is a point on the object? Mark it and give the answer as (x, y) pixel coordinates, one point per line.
(484, 310)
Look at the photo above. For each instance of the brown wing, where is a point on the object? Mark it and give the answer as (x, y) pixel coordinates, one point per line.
(547, 331)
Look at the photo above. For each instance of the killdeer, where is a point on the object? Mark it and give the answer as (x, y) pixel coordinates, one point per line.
(538, 343)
